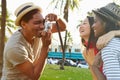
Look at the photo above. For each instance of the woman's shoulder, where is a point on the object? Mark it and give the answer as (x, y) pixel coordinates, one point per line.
(114, 43)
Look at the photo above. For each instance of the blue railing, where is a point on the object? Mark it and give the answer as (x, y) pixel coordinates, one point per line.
(72, 55)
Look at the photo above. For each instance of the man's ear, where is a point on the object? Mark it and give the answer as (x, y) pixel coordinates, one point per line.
(23, 24)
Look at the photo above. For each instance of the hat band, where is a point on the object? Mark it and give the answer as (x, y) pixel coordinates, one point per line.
(23, 9)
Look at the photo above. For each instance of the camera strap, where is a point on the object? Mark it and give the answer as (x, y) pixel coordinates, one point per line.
(63, 46)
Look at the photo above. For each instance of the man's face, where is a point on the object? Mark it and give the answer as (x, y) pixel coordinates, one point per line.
(99, 27)
(36, 25)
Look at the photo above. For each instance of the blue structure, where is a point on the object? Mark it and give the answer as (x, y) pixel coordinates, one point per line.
(72, 55)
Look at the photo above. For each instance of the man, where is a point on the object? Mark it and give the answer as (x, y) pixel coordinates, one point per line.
(107, 19)
(26, 50)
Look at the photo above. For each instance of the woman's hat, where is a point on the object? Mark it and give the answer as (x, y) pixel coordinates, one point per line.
(24, 9)
(110, 12)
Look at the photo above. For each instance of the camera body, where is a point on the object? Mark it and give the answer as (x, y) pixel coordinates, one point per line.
(47, 25)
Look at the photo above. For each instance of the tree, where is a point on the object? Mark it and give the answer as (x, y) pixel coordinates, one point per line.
(2, 33)
(6, 25)
(90, 13)
(9, 26)
(64, 6)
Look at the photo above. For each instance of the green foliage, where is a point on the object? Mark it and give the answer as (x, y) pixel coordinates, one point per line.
(74, 4)
(69, 38)
(117, 1)
(60, 4)
(9, 25)
(90, 13)
(9, 22)
(52, 72)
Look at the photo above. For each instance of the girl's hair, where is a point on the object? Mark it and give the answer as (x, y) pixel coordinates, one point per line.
(92, 38)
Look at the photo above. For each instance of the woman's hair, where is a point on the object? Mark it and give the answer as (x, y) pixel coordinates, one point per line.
(92, 38)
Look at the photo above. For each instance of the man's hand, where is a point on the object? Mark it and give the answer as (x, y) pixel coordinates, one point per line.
(46, 38)
(51, 17)
(54, 18)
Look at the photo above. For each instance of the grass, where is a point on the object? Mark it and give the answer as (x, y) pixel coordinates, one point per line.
(52, 72)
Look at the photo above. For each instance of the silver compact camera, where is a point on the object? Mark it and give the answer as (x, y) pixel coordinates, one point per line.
(47, 25)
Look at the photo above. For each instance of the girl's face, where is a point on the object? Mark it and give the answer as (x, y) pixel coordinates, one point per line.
(99, 27)
(85, 29)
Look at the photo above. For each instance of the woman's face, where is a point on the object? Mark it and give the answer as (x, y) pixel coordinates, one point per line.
(85, 29)
(98, 27)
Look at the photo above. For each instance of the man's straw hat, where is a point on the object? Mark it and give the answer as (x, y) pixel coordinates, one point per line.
(24, 9)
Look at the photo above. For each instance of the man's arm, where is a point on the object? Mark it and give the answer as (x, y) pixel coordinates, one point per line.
(33, 69)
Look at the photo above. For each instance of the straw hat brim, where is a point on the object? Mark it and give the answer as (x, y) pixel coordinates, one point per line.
(17, 21)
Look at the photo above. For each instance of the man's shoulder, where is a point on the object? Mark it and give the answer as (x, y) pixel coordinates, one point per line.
(14, 41)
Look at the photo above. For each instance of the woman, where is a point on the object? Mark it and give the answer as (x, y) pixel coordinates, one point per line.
(107, 19)
(89, 41)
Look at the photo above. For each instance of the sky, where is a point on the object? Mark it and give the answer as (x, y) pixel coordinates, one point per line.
(74, 17)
